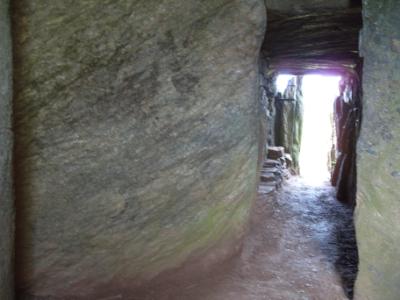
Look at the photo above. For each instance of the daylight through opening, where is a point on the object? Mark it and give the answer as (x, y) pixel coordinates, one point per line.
(317, 152)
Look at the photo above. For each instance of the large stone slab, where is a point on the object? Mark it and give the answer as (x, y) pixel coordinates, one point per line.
(136, 138)
(378, 204)
(294, 7)
(6, 195)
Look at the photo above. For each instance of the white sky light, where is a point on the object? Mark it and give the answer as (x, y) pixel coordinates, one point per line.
(319, 93)
(282, 82)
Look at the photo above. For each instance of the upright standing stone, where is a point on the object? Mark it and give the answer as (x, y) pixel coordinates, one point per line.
(378, 204)
(136, 138)
(289, 120)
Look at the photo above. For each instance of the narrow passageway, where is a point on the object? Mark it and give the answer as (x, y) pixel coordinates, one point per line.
(301, 245)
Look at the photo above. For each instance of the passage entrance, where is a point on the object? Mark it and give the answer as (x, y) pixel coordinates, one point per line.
(318, 135)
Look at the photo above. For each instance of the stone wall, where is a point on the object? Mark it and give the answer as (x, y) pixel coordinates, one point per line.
(289, 120)
(347, 118)
(136, 138)
(267, 107)
(378, 204)
(6, 191)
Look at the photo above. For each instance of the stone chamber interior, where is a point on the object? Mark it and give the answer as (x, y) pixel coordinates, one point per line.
(137, 140)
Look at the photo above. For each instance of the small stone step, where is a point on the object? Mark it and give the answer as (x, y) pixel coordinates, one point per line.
(267, 177)
(271, 163)
(275, 152)
(276, 171)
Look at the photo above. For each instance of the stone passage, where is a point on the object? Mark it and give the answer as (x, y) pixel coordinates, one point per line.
(301, 245)
(135, 135)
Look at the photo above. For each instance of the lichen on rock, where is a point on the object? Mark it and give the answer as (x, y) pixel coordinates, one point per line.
(137, 137)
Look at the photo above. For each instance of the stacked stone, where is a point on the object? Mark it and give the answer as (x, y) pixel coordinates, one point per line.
(274, 170)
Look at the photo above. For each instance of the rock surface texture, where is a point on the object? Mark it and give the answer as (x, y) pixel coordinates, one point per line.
(6, 194)
(314, 41)
(378, 206)
(289, 119)
(136, 139)
(347, 118)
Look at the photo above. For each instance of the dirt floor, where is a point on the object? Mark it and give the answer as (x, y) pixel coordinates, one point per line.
(301, 245)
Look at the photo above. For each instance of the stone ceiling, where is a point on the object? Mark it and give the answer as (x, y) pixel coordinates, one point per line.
(298, 7)
(312, 35)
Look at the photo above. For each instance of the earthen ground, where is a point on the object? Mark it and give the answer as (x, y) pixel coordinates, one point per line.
(301, 245)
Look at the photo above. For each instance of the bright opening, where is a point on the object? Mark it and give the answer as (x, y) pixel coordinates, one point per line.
(282, 82)
(319, 94)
